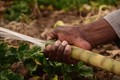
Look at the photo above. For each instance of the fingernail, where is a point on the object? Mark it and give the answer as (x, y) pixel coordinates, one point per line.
(68, 47)
(64, 43)
(57, 43)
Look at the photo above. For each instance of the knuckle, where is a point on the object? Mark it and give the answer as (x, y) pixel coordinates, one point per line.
(60, 49)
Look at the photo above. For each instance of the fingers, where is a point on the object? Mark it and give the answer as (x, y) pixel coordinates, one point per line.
(60, 51)
(66, 54)
(55, 52)
(47, 50)
(54, 49)
(50, 50)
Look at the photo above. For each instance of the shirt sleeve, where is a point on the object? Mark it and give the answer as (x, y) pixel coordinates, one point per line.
(114, 20)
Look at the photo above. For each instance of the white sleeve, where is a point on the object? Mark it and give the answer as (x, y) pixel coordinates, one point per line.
(114, 20)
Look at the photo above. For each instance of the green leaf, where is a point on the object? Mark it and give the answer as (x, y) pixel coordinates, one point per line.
(86, 72)
(7, 56)
(16, 9)
(9, 75)
(30, 65)
(83, 70)
(25, 52)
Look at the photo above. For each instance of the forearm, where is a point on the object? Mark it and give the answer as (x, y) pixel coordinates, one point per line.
(99, 32)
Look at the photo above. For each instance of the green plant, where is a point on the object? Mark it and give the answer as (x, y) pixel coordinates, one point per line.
(9, 75)
(16, 9)
(63, 4)
(34, 64)
(19, 7)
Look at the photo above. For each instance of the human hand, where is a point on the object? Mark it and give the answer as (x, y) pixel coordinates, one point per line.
(61, 50)
(86, 37)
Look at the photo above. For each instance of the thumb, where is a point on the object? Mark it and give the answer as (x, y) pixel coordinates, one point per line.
(52, 35)
(83, 44)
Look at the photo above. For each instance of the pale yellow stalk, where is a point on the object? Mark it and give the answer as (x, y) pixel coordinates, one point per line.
(96, 60)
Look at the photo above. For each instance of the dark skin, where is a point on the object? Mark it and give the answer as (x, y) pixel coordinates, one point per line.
(61, 50)
(85, 36)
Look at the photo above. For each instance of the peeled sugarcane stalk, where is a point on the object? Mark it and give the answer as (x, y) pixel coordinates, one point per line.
(77, 53)
(94, 59)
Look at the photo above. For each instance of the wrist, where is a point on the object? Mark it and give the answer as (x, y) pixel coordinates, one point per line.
(99, 32)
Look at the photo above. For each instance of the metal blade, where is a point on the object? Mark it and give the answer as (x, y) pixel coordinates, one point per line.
(14, 35)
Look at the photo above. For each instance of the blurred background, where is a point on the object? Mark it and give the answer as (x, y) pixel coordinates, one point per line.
(39, 16)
